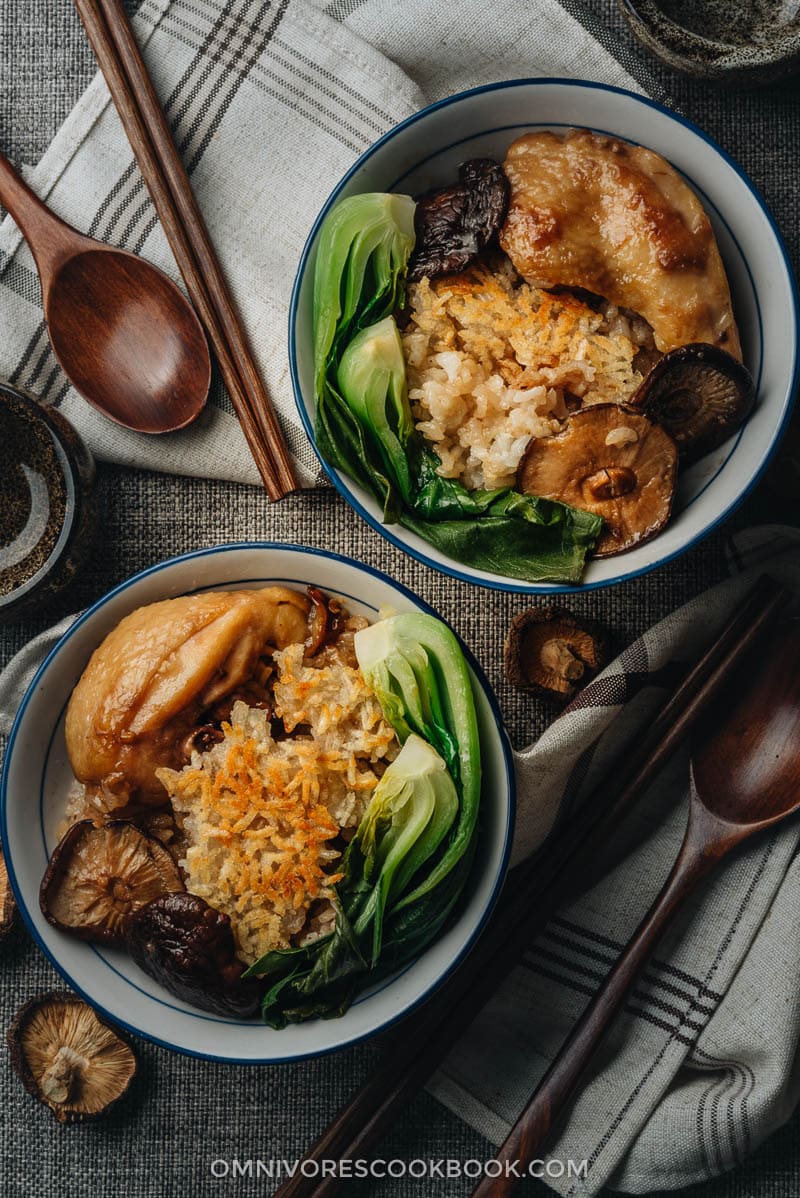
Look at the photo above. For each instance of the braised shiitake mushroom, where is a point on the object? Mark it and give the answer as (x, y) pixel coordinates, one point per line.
(98, 875)
(160, 822)
(552, 653)
(455, 223)
(611, 460)
(188, 947)
(69, 1058)
(700, 394)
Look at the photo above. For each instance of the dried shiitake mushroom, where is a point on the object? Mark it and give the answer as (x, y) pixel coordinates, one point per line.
(455, 223)
(98, 875)
(7, 904)
(700, 394)
(69, 1058)
(552, 653)
(189, 948)
(611, 460)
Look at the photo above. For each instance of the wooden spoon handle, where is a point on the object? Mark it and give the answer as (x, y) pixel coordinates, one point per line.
(532, 1130)
(51, 240)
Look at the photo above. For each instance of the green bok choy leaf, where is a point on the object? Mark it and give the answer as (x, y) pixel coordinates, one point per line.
(415, 666)
(364, 424)
(410, 813)
(372, 379)
(363, 251)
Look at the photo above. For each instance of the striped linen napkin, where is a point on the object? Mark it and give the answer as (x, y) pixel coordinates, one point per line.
(271, 101)
(701, 1066)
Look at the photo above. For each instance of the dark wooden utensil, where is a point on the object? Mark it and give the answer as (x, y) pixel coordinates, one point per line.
(124, 334)
(745, 778)
(533, 891)
(137, 103)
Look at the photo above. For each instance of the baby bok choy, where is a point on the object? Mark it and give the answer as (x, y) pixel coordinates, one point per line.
(411, 812)
(363, 252)
(407, 864)
(364, 423)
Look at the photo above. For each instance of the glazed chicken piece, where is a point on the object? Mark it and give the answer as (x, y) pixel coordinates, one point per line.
(617, 220)
(147, 683)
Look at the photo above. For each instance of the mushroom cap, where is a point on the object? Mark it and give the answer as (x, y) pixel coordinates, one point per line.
(611, 460)
(700, 394)
(7, 904)
(189, 948)
(551, 652)
(97, 876)
(453, 224)
(160, 823)
(68, 1057)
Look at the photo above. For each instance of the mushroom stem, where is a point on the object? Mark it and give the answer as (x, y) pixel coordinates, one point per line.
(610, 483)
(557, 655)
(67, 1068)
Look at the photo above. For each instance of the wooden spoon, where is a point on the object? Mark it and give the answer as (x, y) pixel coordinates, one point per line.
(745, 777)
(125, 335)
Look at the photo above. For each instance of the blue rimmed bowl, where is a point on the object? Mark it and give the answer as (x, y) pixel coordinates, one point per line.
(37, 778)
(426, 150)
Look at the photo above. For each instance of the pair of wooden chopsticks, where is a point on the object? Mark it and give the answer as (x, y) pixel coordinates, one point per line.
(533, 892)
(135, 98)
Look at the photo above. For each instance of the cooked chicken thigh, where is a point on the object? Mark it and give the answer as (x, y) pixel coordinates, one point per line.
(154, 674)
(615, 219)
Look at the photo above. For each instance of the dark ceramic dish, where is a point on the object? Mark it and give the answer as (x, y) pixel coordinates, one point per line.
(750, 43)
(46, 505)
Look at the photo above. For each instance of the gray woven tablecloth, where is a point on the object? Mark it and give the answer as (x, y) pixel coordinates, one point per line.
(184, 1113)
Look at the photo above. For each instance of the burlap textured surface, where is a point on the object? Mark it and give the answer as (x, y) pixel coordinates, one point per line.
(186, 1113)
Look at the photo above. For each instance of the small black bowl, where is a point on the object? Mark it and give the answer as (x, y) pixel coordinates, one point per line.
(47, 511)
(750, 43)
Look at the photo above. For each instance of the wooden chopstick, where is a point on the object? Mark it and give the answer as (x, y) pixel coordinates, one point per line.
(533, 892)
(178, 180)
(118, 56)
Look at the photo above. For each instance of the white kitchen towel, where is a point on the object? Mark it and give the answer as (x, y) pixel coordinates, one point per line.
(702, 1064)
(271, 101)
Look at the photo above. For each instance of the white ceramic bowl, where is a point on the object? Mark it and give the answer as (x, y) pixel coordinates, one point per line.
(37, 777)
(426, 150)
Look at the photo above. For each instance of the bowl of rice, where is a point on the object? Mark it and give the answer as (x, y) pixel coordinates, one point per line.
(493, 362)
(344, 745)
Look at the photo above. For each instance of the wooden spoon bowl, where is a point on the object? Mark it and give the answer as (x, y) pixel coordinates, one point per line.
(746, 770)
(124, 334)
